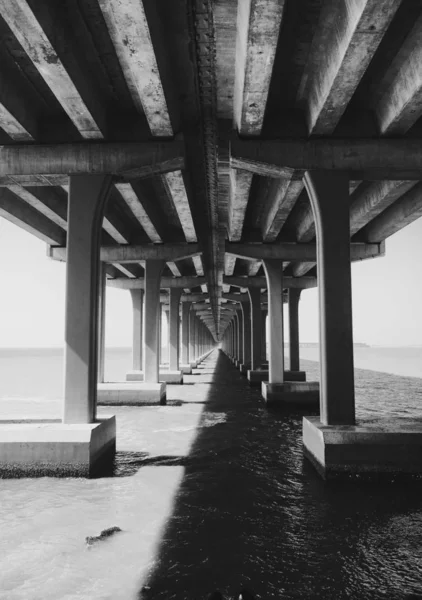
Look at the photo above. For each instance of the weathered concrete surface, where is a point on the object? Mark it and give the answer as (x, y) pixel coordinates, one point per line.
(56, 449)
(131, 393)
(165, 375)
(299, 393)
(256, 377)
(376, 446)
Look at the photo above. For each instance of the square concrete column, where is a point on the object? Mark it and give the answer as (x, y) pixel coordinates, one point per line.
(294, 296)
(137, 306)
(329, 195)
(87, 198)
(274, 274)
(240, 335)
(247, 336)
(192, 356)
(101, 323)
(185, 332)
(175, 294)
(256, 324)
(152, 310)
(264, 314)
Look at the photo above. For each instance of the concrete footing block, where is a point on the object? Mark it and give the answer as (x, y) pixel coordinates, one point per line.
(244, 368)
(194, 364)
(56, 449)
(186, 369)
(377, 446)
(131, 393)
(291, 392)
(173, 377)
(255, 378)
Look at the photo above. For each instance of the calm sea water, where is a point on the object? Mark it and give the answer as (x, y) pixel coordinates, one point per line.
(211, 491)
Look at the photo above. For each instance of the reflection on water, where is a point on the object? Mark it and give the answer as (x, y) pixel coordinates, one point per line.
(216, 495)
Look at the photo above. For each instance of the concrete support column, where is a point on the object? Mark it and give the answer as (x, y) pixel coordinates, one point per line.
(329, 196)
(192, 355)
(240, 336)
(256, 322)
(185, 332)
(264, 313)
(274, 274)
(294, 296)
(247, 336)
(152, 310)
(137, 306)
(101, 324)
(87, 199)
(174, 338)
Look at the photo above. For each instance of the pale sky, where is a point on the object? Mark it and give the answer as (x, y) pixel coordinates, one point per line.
(387, 295)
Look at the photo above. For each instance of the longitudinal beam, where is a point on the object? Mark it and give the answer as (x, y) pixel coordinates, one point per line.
(346, 40)
(258, 26)
(133, 254)
(261, 282)
(87, 113)
(128, 160)
(371, 159)
(166, 282)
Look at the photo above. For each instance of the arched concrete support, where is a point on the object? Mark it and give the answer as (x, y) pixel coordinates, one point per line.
(137, 308)
(247, 336)
(174, 339)
(329, 196)
(87, 198)
(256, 324)
(152, 311)
(240, 338)
(274, 274)
(101, 324)
(294, 296)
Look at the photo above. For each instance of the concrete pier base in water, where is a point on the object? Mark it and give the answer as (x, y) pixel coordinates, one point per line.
(56, 449)
(186, 369)
(291, 392)
(134, 393)
(165, 376)
(370, 446)
(255, 378)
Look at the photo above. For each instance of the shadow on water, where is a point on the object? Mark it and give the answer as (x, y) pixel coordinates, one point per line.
(252, 512)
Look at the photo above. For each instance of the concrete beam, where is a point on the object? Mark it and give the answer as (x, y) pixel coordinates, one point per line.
(347, 38)
(261, 282)
(130, 33)
(88, 115)
(16, 116)
(370, 159)
(128, 160)
(133, 254)
(132, 201)
(166, 282)
(55, 210)
(258, 26)
(25, 216)
(175, 186)
(404, 211)
(400, 106)
(240, 185)
(282, 196)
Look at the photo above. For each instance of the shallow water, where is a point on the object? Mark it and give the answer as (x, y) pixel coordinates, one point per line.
(212, 491)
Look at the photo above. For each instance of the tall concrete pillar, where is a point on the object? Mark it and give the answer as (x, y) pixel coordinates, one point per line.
(174, 339)
(192, 355)
(240, 337)
(101, 323)
(152, 311)
(256, 323)
(87, 199)
(294, 296)
(247, 335)
(185, 332)
(329, 196)
(274, 274)
(137, 308)
(264, 313)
